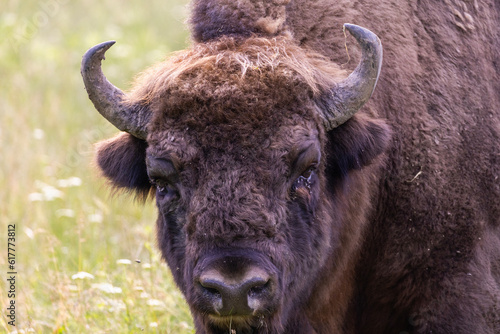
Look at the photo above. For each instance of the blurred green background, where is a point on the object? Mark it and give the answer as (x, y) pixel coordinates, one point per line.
(87, 261)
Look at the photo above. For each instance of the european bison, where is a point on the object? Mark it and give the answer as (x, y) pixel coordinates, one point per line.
(282, 211)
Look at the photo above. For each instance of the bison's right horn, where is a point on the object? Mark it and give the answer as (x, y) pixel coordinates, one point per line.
(341, 102)
(108, 99)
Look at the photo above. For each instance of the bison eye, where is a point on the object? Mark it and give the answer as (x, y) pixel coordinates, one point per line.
(308, 172)
(164, 189)
(306, 179)
(163, 175)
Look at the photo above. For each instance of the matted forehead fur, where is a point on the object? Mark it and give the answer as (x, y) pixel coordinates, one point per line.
(232, 87)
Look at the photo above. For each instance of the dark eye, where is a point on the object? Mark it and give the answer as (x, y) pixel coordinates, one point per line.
(308, 172)
(164, 188)
(305, 179)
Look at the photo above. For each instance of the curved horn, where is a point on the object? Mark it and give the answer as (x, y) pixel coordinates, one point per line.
(348, 96)
(108, 99)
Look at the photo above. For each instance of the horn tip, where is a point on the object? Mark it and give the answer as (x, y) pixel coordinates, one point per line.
(361, 33)
(97, 50)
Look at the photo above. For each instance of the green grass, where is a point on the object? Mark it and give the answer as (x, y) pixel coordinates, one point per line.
(47, 131)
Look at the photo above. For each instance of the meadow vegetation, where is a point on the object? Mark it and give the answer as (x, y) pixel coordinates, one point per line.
(86, 261)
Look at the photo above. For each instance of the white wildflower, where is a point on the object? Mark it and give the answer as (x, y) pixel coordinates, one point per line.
(72, 287)
(146, 265)
(153, 324)
(38, 134)
(70, 182)
(145, 295)
(107, 287)
(29, 232)
(155, 302)
(82, 275)
(116, 305)
(35, 197)
(124, 261)
(65, 213)
(95, 218)
(49, 193)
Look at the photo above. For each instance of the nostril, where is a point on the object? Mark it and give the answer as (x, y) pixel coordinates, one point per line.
(211, 287)
(212, 294)
(259, 289)
(212, 291)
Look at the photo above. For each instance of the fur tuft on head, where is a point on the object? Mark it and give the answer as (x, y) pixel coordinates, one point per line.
(237, 56)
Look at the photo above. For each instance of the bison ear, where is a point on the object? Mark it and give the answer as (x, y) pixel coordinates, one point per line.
(355, 144)
(122, 160)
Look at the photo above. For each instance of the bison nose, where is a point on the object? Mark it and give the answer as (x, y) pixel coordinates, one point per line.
(241, 296)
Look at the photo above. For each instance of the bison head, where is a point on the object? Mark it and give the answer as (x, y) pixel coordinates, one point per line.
(246, 144)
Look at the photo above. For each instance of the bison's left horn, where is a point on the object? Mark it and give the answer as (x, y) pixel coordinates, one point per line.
(347, 97)
(108, 99)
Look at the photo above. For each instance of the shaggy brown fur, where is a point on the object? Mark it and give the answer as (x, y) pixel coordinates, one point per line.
(399, 237)
(432, 252)
(216, 18)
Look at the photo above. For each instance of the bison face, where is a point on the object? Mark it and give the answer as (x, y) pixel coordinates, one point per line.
(238, 180)
(251, 190)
